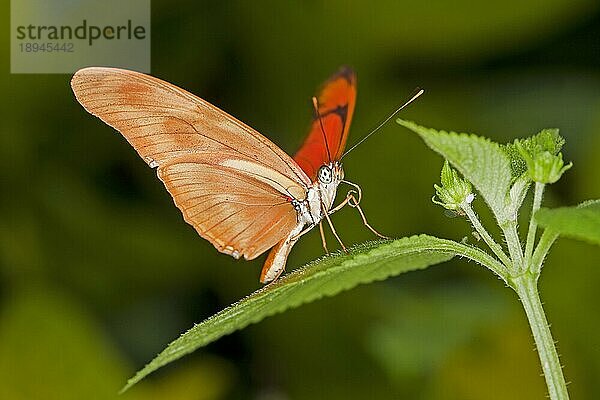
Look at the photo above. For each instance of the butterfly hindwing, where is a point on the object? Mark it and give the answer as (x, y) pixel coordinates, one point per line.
(237, 207)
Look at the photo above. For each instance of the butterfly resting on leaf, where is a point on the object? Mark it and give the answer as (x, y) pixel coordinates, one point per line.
(239, 190)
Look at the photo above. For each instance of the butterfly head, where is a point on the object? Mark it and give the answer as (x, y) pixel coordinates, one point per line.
(329, 176)
(330, 173)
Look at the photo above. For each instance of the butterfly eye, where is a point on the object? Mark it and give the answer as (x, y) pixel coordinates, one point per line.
(325, 175)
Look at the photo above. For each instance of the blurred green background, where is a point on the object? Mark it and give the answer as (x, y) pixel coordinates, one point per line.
(98, 271)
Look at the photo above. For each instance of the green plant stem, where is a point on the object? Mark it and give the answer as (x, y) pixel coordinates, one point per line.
(537, 202)
(526, 287)
(546, 241)
(493, 245)
(509, 228)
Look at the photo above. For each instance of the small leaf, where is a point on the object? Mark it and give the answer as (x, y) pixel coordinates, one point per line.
(481, 161)
(324, 277)
(518, 166)
(580, 222)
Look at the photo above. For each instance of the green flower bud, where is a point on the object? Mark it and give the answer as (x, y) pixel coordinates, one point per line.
(547, 168)
(454, 191)
(543, 166)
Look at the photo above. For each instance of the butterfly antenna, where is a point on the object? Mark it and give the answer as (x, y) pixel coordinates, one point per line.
(316, 107)
(417, 93)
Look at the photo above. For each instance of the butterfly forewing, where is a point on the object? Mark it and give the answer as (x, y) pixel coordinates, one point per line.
(163, 121)
(336, 101)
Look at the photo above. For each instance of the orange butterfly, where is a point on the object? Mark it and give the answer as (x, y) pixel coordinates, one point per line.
(235, 187)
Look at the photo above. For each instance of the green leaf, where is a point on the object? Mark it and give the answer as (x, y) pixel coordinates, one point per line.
(481, 161)
(327, 276)
(580, 222)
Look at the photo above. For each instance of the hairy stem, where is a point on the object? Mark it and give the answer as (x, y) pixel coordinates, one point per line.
(526, 287)
(509, 228)
(493, 245)
(546, 241)
(537, 202)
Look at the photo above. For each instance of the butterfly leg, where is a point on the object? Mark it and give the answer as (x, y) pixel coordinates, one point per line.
(349, 196)
(352, 202)
(297, 236)
(323, 240)
(335, 233)
(343, 203)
